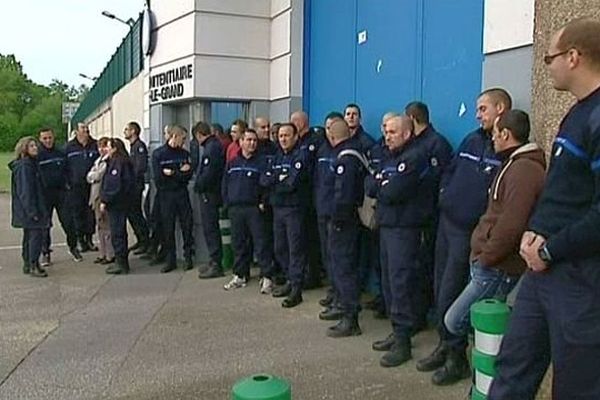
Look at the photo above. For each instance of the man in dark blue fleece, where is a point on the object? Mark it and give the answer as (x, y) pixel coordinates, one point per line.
(462, 200)
(557, 312)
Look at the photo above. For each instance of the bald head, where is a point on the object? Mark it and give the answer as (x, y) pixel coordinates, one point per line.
(300, 119)
(338, 131)
(398, 130)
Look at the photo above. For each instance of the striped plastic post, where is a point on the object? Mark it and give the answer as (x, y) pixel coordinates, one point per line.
(225, 227)
(261, 387)
(489, 318)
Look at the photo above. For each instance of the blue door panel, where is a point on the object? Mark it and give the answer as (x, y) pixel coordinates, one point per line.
(225, 113)
(386, 63)
(452, 64)
(332, 56)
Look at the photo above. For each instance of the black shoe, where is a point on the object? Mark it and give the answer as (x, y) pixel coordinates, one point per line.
(293, 299)
(37, 271)
(332, 313)
(189, 264)
(455, 369)
(348, 326)
(398, 354)
(328, 299)
(108, 261)
(26, 268)
(435, 360)
(139, 248)
(168, 268)
(100, 260)
(121, 267)
(283, 290)
(74, 252)
(384, 344)
(157, 260)
(213, 271)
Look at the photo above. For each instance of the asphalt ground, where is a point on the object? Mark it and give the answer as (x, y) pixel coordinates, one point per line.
(82, 334)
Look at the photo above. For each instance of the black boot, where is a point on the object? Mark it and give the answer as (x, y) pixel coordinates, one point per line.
(293, 299)
(348, 326)
(189, 263)
(283, 290)
(119, 268)
(328, 299)
(398, 354)
(214, 270)
(168, 268)
(90, 243)
(37, 271)
(455, 369)
(331, 313)
(26, 267)
(384, 344)
(435, 360)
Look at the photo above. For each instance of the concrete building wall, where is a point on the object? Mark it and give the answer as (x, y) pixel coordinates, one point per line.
(508, 48)
(127, 105)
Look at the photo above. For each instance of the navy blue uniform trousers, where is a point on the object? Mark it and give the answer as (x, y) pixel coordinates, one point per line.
(117, 218)
(56, 200)
(176, 204)
(343, 255)
(290, 243)
(452, 249)
(323, 225)
(82, 216)
(209, 214)
(249, 222)
(399, 248)
(556, 315)
(135, 214)
(31, 246)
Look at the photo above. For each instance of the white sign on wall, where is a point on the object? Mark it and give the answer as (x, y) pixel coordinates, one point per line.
(174, 83)
(507, 24)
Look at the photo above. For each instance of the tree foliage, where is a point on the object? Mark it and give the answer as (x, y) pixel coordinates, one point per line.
(25, 106)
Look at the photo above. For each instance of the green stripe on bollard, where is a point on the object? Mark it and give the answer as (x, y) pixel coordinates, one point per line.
(490, 316)
(483, 362)
(261, 387)
(477, 395)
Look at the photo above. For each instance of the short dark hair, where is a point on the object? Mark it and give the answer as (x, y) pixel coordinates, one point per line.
(250, 131)
(46, 129)
(419, 111)
(136, 127)
(334, 115)
(243, 125)
(517, 122)
(353, 105)
(498, 95)
(218, 129)
(201, 128)
(288, 125)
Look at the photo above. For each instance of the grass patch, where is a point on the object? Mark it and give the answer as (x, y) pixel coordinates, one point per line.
(5, 158)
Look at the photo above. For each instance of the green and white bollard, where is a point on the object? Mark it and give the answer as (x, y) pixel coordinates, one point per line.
(261, 387)
(225, 228)
(489, 319)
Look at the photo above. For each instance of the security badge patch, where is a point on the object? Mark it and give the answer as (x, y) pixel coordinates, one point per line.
(206, 161)
(298, 165)
(340, 169)
(311, 147)
(401, 167)
(434, 162)
(141, 150)
(114, 172)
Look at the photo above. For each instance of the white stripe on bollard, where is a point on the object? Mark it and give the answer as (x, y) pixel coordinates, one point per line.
(482, 382)
(226, 239)
(487, 343)
(224, 223)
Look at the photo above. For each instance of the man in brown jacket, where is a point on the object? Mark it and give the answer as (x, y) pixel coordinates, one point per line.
(495, 261)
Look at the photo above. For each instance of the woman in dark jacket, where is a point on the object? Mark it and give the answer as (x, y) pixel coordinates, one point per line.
(28, 206)
(115, 193)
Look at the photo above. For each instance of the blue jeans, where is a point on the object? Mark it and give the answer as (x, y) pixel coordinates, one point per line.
(485, 283)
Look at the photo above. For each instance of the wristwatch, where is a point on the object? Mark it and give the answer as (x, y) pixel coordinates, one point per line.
(545, 255)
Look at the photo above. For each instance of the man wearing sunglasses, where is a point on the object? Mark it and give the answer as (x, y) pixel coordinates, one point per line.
(556, 316)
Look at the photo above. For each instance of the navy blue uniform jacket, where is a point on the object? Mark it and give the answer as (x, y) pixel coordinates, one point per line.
(210, 170)
(167, 157)
(348, 184)
(117, 184)
(53, 168)
(323, 180)
(79, 161)
(288, 179)
(139, 160)
(241, 181)
(465, 183)
(28, 205)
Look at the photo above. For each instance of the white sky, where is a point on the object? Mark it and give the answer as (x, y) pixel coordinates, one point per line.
(62, 38)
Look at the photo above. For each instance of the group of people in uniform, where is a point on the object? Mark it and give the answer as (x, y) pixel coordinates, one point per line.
(438, 230)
